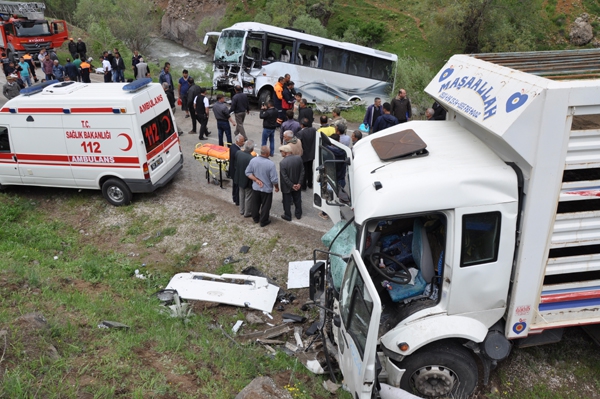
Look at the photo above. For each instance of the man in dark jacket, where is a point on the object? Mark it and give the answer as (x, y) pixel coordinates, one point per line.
(340, 167)
(386, 120)
(234, 149)
(307, 136)
(242, 159)
(291, 176)
(71, 70)
(118, 66)
(304, 111)
(240, 108)
(192, 93)
(269, 114)
(401, 107)
(202, 113)
(374, 111)
(81, 49)
(72, 48)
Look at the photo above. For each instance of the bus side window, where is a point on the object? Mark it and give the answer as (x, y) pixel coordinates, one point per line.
(382, 69)
(335, 59)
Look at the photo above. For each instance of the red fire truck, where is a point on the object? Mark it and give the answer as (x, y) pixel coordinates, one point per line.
(23, 29)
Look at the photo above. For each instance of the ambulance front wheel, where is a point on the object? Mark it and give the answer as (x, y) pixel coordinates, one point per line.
(116, 192)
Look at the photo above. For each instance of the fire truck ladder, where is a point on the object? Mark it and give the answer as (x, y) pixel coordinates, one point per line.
(28, 10)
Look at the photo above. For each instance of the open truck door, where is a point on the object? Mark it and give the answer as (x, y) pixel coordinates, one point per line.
(360, 311)
(329, 192)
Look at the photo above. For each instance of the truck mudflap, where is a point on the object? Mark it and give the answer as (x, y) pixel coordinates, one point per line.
(146, 186)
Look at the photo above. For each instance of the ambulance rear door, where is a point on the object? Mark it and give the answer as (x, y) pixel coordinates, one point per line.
(157, 132)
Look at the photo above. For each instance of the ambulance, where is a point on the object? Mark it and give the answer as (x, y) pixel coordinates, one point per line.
(118, 138)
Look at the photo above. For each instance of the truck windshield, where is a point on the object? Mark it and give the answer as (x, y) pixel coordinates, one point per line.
(157, 130)
(230, 46)
(31, 28)
(356, 306)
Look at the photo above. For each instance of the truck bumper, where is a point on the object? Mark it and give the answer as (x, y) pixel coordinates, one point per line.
(146, 186)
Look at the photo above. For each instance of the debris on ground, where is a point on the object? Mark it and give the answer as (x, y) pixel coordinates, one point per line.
(231, 289)
(264, 388)
(172, 305)
(266, 334)
(252, 318)
(331, 386)
(299, 273)
(293, 318)
(244, 249)
(113, 324)
(236, 327)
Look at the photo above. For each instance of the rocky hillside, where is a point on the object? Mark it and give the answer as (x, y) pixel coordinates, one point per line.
(182, 18)
(408, 26)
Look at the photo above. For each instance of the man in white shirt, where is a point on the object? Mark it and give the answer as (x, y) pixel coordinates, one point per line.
(107, 70)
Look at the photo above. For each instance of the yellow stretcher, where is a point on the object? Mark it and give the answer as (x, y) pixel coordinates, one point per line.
(214, 158)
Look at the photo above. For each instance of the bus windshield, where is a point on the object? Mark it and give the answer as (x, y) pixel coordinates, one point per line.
(31, 28)
(230, 46)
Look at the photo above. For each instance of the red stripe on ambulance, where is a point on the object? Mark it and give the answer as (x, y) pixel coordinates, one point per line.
(91, 110)
(165, 146)
(40, 110)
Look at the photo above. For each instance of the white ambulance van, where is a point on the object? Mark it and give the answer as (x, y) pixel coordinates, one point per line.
(118, 138)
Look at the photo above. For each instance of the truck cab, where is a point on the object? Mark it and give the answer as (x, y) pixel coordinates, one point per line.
(453, 223)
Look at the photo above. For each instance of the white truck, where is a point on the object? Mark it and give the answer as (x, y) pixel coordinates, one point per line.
(118, 138)
(469, 235)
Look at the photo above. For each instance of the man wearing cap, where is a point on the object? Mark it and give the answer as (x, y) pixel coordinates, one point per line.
(81, 49)
(72, 48)
(263, 173)
(291, 175)
(11, 89)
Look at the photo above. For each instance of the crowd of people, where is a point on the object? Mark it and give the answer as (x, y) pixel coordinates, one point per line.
(254, 178)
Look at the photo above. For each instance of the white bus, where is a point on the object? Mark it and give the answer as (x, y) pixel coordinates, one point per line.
(254, 55)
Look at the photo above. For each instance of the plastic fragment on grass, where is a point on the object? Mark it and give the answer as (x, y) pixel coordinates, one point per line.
(230, 289)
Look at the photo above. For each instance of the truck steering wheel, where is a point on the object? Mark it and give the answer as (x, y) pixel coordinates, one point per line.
(389, 273)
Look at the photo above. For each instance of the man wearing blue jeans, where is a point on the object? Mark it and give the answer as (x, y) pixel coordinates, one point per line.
(268, 113)
(221, 111)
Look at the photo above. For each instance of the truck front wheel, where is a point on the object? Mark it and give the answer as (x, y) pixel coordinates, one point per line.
(116, 192)
(441, 370)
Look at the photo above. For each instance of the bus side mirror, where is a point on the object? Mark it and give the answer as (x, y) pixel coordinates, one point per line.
(317, 281)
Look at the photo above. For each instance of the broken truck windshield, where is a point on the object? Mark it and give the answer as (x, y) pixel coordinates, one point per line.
(230, 46)
(30, 29)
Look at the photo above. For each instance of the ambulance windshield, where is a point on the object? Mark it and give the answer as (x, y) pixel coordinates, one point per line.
(157, 130)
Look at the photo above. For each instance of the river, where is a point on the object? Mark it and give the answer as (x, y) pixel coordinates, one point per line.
(162, 50)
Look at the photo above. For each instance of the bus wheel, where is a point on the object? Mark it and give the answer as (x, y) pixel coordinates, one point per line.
(116, 192)
(442, 370)
(265, 96)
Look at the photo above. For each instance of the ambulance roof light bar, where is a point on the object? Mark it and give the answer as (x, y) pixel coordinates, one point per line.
(31, 90)
(137, 85)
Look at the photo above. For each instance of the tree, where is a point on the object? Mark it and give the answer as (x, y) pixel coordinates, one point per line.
(475, 26)
(130, 21)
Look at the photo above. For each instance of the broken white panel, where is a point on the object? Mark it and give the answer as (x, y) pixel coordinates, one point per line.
(299, 274)
(390, 392)
(231, 289)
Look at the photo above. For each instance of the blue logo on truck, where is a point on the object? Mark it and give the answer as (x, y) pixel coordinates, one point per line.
(515, 101)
